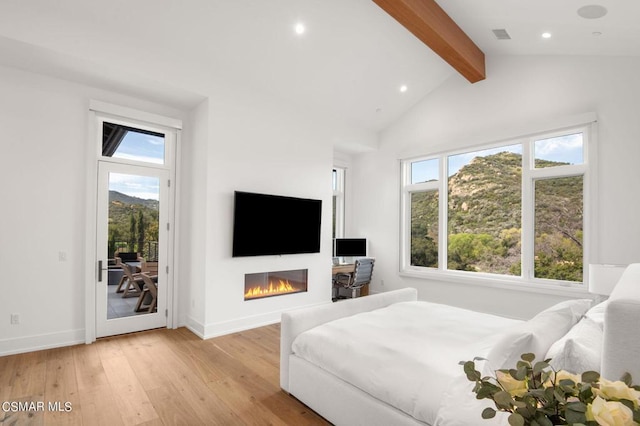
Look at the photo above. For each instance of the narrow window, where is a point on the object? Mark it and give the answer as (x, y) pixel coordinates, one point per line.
(558, 228)
(424, 229)
(338, 178)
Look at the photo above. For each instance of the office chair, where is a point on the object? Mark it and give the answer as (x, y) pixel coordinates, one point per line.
(360, 277)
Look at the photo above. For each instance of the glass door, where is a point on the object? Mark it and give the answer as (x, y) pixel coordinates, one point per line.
(131, 288)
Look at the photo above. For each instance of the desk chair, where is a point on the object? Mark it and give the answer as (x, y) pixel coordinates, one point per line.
(360, 277)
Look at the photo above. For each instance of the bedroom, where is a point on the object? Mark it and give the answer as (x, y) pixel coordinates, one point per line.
(235, 134)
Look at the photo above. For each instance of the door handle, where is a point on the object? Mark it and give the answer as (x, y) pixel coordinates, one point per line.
(100, 271)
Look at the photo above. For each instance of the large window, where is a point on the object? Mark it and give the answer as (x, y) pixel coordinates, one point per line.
(514, 210)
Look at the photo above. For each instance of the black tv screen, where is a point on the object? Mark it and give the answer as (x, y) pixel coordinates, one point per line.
(266, 224)
(350, 247)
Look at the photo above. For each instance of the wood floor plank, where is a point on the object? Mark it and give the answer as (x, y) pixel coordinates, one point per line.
(28, 376)
(7, 365)
(89, 371)
(98, 406)
(109, 348)
(156, 378)
(61, 389)
(173, 408)
(132, 401)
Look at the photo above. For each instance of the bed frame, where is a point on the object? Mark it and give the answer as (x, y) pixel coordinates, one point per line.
(343, 404)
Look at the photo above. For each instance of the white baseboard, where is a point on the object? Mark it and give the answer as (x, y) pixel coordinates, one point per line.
(240, 324)
(194, 326)
(40, 342)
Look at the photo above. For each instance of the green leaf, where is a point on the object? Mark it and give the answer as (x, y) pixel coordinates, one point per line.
(543, 420)
(590, 376)
(470, 370)
(626, 378)
(529, 357)
(503, 400)
(574, 417)
(577, 406)
(539, 367)
(488, 413)
(519, 374)
(487, 390)
(516, 419)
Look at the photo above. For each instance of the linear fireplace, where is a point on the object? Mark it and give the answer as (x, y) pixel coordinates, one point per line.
(277, 283)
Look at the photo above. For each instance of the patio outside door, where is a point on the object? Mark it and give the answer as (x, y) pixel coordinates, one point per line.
(132, 230)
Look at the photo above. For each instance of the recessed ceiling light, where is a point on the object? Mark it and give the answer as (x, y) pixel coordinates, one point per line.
(300, 28)
(404, 88)
(592, 11)
(546, 35)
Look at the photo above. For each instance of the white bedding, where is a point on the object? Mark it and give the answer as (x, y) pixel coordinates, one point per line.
(397, 355)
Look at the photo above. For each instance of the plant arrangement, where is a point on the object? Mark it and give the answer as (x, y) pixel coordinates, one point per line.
(537, 395)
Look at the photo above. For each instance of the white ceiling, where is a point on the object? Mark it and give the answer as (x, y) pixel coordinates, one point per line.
(349, 64)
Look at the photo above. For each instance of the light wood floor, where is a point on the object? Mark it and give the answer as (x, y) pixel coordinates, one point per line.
(158, 377)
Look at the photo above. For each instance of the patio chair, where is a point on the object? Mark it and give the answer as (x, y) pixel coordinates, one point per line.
(150, 291)
(131, 283)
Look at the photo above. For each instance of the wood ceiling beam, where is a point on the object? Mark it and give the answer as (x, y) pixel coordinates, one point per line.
(427, 21)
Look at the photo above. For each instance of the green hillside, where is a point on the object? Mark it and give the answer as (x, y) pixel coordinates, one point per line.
(133, 224)
(484, 221)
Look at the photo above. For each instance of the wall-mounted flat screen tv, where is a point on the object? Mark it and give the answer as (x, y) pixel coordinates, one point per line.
(266, 224)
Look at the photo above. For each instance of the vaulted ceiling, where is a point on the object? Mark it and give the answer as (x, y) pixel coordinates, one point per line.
(350, 61)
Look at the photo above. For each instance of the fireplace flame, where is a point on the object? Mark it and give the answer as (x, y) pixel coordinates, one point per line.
(282, 287)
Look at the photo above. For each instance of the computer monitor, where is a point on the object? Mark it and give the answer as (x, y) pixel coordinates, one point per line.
(350, 247)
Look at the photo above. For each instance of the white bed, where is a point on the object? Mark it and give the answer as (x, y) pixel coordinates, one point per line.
(388, 359)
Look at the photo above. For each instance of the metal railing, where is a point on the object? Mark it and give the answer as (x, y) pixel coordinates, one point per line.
(148, 249)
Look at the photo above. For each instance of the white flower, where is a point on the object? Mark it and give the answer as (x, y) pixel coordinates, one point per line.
(511, 385)
(617, 390)
(609, 413)
(561, 375)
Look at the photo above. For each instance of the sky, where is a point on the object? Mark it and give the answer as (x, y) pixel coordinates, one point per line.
(138, 147)
(144, 187)
(141, 147)
(567, 149)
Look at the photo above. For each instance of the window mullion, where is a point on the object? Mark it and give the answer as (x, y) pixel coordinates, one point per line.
(528, 206)
(443, 214)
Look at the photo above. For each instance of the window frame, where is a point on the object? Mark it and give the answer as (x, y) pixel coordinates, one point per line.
(339, 196)
(526, 281)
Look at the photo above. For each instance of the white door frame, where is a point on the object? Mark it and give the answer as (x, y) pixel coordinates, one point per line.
(101, 109)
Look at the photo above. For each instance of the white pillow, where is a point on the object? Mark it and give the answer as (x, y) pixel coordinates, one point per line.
(580, 349)
(597, 313)
(538, 334)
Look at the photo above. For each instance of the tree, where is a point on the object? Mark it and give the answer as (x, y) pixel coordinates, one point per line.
(141, 232)
(132, 232)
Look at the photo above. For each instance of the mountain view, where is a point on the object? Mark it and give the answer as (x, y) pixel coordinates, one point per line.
(485, 223)
(133, 225)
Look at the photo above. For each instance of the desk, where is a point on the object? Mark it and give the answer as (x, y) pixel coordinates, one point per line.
(348, 268)
(344, 268)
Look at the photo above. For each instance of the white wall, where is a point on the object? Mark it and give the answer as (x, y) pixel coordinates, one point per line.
(235, 140)
(255, 144)
(44, 129)
(519, 93)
